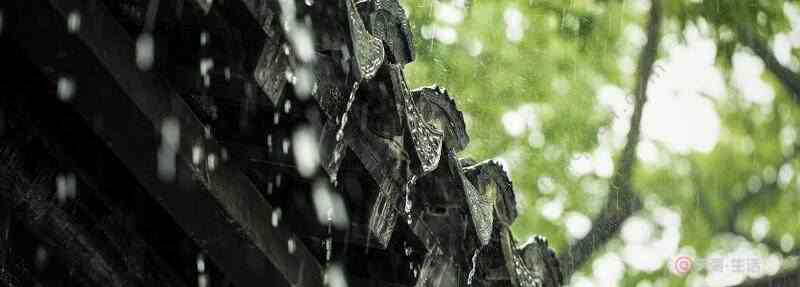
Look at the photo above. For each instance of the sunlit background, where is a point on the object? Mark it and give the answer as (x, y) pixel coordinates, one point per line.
(546, 88)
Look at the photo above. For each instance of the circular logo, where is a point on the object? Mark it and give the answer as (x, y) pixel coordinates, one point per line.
(682, 265)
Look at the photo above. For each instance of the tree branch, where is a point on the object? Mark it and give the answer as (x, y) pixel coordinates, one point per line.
(789, 79)
(622, 201)
(768, 188)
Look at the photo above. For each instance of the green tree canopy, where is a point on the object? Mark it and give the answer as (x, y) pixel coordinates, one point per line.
(552, 89)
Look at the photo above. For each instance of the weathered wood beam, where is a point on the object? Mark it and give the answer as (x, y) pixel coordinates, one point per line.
(218, 207)
(51, 223)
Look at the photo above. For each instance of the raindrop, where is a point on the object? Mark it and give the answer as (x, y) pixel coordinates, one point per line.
(65, 187)
(203, 38)
(278, 178)
(329, 203)
(276, 118)
(286, 145)
(201, 263)
(206, 64)
(144, 51)
(73, 21)
(304, 82)
(227, 73)
(309, 2)
(287, 106)
(197, 154)
(202, 280)
(211, 161)
(65, 89)
(334, 275)
(170, 140)
(290, 245)
(276, 216)
(328, 249)
(306, 151)
(269, 142)
(207, 132)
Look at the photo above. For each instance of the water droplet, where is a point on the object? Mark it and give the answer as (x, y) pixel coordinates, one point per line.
(202, 280)
(145, 51)
(334, 276)
(329, 205)
(276, 216)
(269, 143)
(201, 263)
(306, 151)
(65, 88)
(290, 245)
(309, 2)
(203, 38)
(286, 145)
(73, 21)
(206, 64)
(287, 106)
(328, 249)
(211, 161)
(65, 187)
(197, 154)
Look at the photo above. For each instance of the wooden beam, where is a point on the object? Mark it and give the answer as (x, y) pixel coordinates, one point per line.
(218, 207)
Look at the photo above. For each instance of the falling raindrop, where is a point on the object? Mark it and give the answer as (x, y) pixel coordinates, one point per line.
(65, 88)
(286, 145)
(290, 245)
(334, 276)
(276, 216)
(73, 21)
(170, 140)
(269, 142)
(276, 118)
(201, 263)
(203, 38)
(145, 51)
(287, 106)
(207, 132)
(211, 161)
(329, 205)
(309, 3)
(328, 249)
(65, 187)
(306, 151)
(197, 154)
(202, 280)
(278, 178)
(206, 64)
(304, 82)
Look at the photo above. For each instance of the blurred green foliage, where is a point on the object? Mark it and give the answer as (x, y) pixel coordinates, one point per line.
(566, 52)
